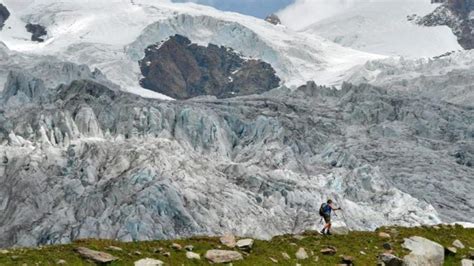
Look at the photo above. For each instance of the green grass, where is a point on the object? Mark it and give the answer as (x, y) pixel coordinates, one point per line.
(351, 245)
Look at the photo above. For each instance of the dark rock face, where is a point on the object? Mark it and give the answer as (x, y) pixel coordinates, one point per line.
(4, 15)
(456, 14)
(37, 32)
(274, 19)
(183, 70)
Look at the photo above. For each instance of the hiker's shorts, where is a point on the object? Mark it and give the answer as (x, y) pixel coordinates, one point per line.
(327, 218)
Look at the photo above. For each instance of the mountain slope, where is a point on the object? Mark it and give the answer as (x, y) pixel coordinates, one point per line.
(94, 35)
(456, 14)
(82, 155)
(380, 27)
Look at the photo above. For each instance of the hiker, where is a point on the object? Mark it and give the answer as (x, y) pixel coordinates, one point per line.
(325, 212)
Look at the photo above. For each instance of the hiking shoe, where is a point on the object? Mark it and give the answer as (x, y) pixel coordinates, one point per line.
(322, 232)
(329, 233)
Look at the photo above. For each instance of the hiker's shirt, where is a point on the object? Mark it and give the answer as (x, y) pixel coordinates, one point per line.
(327, 209)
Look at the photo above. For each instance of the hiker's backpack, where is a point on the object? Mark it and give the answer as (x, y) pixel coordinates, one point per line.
(322, 209)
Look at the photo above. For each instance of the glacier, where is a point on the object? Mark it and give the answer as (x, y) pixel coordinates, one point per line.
(85, 160)
(85, 152)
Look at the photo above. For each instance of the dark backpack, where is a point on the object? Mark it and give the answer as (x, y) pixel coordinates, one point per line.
(322, 209)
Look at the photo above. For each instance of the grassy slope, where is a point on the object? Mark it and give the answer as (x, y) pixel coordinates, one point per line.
(350, 244)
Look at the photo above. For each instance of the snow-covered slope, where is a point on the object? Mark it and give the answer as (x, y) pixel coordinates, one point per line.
(112, 36)
(380, 26)
(448, 78)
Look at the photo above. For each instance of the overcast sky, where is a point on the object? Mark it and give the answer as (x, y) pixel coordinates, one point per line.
(257, 8)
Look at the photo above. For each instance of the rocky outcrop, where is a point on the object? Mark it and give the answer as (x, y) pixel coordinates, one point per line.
(273, 19)
(37, 32)
(456, 14)
(183, 70)
(4, 15)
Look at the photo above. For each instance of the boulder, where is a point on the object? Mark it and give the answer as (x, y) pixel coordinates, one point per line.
(167, 254)
(384, 235)
(387, 246)
(466, 262)
(301, 254)
(148, 262)
(423, 252)
(189, 247)
(223, 256)
(298, 237)
(96, 256)
(193, 256)
(341, 230)
(228, 240)
(329, 250)
(245, 244)
(458, 244)
(114, 248)
(388, 259)
(158, 250)
(347, 260)
(450, 251)
(176, 246)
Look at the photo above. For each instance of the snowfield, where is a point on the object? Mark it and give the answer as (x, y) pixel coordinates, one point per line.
(112, 36)
(380, 27)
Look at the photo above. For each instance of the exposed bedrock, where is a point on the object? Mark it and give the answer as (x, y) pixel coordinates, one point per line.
(37, 32)
(183, 70)
(4, 15)
(456, 14)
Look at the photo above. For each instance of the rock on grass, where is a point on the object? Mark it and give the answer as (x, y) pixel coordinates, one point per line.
(96, 256)
(148, 262)
(223, 256)
(423, 252)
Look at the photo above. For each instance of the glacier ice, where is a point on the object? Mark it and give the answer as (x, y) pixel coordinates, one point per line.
(97, 162)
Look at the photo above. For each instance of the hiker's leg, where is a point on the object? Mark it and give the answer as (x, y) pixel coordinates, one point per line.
(328, 230)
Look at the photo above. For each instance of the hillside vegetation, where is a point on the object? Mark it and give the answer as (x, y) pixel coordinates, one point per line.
(363, 247)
